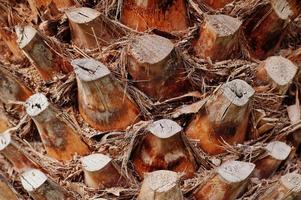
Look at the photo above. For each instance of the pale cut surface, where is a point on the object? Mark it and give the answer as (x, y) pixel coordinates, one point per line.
(95, 162)
(292, 181)
(150, 49)
(224, 25)
(235, 171)
(36, 104)
(164, 128)
(282, 8)
(32, 179)
(278, 150)
(280, 70)
(25, 35)
(238, 92)
(5, 140)
(88, 69)
(82, 15)
(161, 181)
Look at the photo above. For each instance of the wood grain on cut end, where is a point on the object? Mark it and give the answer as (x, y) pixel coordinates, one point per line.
(154, 14)
(218, 38)
(288, 187)
(163, 148)
(100, 172)
(14, 155)
(156, 68)
(276, 71)
(276, 153)
(44, 56)
(160, 185)
(103, 103)
(89, 29)
(61, 140)
(228, 183)
(224, 117)
(11, 89)
(40, 187)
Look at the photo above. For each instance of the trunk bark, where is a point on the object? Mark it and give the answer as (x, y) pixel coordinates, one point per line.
(10, 38)
(89, 29)
(163, 148)
(59, 137)
(40, 187)
(224, 117)
(161, 185)
(13, 154)
(101, 173)
(229, 182)
(44, 57)
(11, 89)
(218, 38)
(156, 68)
(277, 152)
(265, 28)
(217, 4)
(155, 14)
(6, 190)
(287, 188)
(103, 103)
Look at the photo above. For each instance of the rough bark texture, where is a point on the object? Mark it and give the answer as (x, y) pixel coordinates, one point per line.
(47, 61)
(102, 101)
(163, 148)
(11, 89)
(216, 4)
(224, 117)
(40, 187)
(288, 188)
(89, 29)
(229, 182)
(165, 15)
(9, 150)
(160, 185)
(266, 27)
(155, 67)
(59, 137)
(101, 173)
(218, 38)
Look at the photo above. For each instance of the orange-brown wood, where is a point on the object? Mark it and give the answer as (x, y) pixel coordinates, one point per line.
(288, 187)
(11, 152)
(149, 14)
(216, 4)
(156, 68)
(163, 148)
(218, 38)
(224, 117)
(100, 172)
(265, 28)
(11, 89)
(90, 29)
(10, 40)
(60, 138)
(44, 56)
(4, 121)
(102, 101)
(277, 152)
(227, 183)
(6, 190)
(59, 3)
